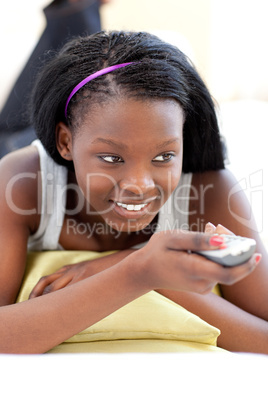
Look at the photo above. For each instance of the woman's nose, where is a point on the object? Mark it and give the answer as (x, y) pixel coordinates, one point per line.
(137, 181)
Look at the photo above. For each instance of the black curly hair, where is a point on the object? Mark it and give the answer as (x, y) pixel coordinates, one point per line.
(163, 72)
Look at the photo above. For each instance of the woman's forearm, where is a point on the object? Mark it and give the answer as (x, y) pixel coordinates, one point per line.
(36, 326)
(240, 331)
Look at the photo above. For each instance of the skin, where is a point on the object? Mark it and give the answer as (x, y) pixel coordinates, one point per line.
(145, 155)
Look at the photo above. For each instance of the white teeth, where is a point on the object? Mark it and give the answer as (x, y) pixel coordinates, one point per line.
(131, 207)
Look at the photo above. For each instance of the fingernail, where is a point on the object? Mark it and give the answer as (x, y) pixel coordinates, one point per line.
(258, 258)
(216, 241)
(223, 246)
(210, 228)
(211, 225)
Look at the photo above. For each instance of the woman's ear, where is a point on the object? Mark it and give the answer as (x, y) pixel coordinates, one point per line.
(64, 141)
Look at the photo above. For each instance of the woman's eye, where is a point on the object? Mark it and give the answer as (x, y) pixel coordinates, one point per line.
(111, 158)
(163, 158)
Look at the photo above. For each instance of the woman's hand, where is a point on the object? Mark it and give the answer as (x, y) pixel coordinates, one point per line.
(69, 274)
(63, 277)
(170, 262)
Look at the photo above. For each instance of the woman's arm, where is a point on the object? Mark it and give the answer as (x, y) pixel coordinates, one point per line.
(240, 331)
(18, 217)
(242, 313)
(223, 203)
(37, 325)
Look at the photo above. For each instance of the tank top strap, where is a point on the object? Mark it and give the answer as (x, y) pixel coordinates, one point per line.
(53, 202)
(175, 212)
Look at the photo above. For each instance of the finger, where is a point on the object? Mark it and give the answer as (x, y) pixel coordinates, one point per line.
(45, 281)
(59, 283)
(220, 229)
(194, 241)
(203, 273)
(42, 284)
(63, 269)
(229, 276)
(211, 273)
(239, 272)
(210, 228)
(203, 286)
(223, 230)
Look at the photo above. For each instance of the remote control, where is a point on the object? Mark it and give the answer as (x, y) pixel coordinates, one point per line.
(239, 250)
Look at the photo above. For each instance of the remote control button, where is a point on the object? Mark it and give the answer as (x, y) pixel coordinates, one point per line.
(236, 252)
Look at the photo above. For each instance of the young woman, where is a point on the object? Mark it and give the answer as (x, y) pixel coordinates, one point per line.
(129, 150)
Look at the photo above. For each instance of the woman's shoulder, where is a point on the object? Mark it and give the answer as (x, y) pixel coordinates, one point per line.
(25, 160)
(217, 196)
(217, 185)
(19, 185)
(214, 178)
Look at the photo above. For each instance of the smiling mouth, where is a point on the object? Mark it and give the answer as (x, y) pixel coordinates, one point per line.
(131, 207)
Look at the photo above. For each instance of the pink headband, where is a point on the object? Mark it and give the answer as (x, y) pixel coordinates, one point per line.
(90, 78)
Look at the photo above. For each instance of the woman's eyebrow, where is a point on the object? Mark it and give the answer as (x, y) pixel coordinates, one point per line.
(168, 142)
(109, 142)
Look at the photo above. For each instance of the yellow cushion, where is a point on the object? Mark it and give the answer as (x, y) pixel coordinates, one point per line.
(136, 346)
(152, 317)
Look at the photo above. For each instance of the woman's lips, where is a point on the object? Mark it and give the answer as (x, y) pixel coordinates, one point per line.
(131, 207)
(130, 210)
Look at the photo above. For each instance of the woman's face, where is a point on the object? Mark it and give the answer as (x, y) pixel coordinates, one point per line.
(128, 156)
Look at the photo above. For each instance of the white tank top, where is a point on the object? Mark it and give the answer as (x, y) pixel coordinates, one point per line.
(173, 214)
